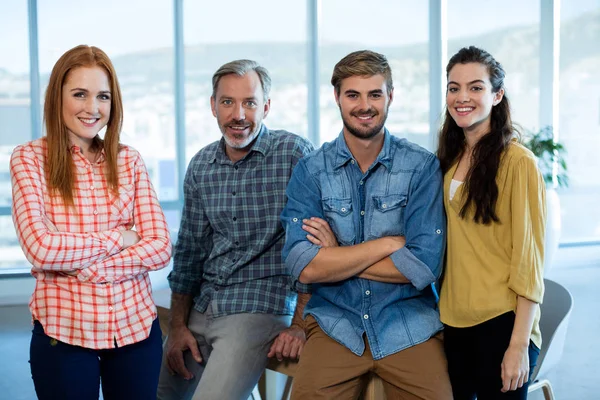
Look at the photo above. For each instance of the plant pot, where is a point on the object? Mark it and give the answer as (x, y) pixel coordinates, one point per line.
(553, 225)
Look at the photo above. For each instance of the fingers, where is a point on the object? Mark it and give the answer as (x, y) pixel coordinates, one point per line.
(286, 345)
(193, 345)
(176, 364)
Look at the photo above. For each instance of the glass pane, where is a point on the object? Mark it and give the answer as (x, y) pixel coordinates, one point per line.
(15, 121)
(509, 30)
(140, 45)
(272, 33)
(344, 29)
(579, 118)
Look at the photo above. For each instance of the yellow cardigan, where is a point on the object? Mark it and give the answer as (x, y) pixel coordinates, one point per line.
(487, 266)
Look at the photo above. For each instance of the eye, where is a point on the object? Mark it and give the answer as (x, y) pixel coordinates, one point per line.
(251, 103)
(79, 94)
(352, 95)
(452, 89)
(104, 97)
(376, 95)
(476, 88)
(226, 102)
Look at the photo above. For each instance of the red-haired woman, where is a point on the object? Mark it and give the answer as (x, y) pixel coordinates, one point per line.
(89, 222)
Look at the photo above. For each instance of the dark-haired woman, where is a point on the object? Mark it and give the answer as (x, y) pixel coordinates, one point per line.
(494, 196)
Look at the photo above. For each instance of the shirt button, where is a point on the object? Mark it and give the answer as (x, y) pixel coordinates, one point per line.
(343, 209)
(362, 212)
(95, 212)
(352, 161)
(367, 292)
(438, 231)
(361, 182)
(366, 316)
(236, 167)
(110, 308)
(235, 218)
(233, 193)
(384, 205)
(92, 187)
(295, 219)
(237, 243)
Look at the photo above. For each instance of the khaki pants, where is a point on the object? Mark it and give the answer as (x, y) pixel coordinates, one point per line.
(328, 370)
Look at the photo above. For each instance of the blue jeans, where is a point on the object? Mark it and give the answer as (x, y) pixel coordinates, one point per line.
(67, 372)
(475, 357)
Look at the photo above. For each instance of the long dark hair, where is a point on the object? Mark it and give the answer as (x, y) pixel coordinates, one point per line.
(480, 183)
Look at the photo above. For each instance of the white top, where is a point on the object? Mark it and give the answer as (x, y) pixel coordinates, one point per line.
(453, 186)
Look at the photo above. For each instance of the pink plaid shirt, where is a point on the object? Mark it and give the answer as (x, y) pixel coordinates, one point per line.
(90, 292)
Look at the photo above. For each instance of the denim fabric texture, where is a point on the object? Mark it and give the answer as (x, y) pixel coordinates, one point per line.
(400, 194)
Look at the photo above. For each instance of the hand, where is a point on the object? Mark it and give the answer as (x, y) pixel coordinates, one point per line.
(288, 344)
(320, 232)
(130, 237)
(515, 368)
(181, 339)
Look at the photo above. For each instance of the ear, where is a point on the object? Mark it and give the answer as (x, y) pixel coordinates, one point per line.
(267, 108)
(498, 96)
(336, 96)
(213, 106)
(391, 95)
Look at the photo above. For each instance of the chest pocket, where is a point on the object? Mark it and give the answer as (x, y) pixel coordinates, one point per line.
(338, 213)
(121, 209)
(387, 218)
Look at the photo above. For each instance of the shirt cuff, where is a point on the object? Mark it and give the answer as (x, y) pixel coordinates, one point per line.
(300, 256)
(416, 271)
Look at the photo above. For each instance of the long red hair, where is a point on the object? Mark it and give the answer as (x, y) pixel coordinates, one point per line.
(60, 171)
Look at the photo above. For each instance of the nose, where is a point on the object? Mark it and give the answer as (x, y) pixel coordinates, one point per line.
(91, 106)
(463, 96)
(364, 103)
(239, 113)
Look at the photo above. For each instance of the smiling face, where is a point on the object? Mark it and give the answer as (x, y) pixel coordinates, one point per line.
(240, 108)
(364, 104)
(86, 103)
(470, 97)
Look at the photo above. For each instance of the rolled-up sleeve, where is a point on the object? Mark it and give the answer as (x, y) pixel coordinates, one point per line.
(528, 210)
(303, 201)
(420, 260)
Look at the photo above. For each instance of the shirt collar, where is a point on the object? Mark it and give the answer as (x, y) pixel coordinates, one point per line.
(261, 145)
(76, 150)
(343, 154)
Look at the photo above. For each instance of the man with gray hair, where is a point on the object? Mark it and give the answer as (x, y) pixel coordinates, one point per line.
(232, 297)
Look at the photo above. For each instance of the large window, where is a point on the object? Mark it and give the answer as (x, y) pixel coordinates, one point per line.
(579, 127)
(271, 32)
(400, 32)
(509, 30)
(138, 37)
(15, 119)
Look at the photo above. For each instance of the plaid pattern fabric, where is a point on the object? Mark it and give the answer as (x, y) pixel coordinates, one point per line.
(89, 292)
(228, 253)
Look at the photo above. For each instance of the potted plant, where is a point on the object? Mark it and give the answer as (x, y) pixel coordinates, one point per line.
(553, 166)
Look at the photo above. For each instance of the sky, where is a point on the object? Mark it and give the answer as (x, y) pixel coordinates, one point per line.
(124, 26)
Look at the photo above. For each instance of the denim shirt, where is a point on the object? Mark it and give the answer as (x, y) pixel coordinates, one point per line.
(400, 194)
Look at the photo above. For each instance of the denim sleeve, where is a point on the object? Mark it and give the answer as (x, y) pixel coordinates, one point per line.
(303, 201)
(194, 241)
(420, 260)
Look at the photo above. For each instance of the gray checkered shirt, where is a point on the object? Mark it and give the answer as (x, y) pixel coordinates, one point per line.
(228, 252)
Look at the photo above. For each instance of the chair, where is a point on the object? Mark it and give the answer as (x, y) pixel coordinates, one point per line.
(555, 313)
